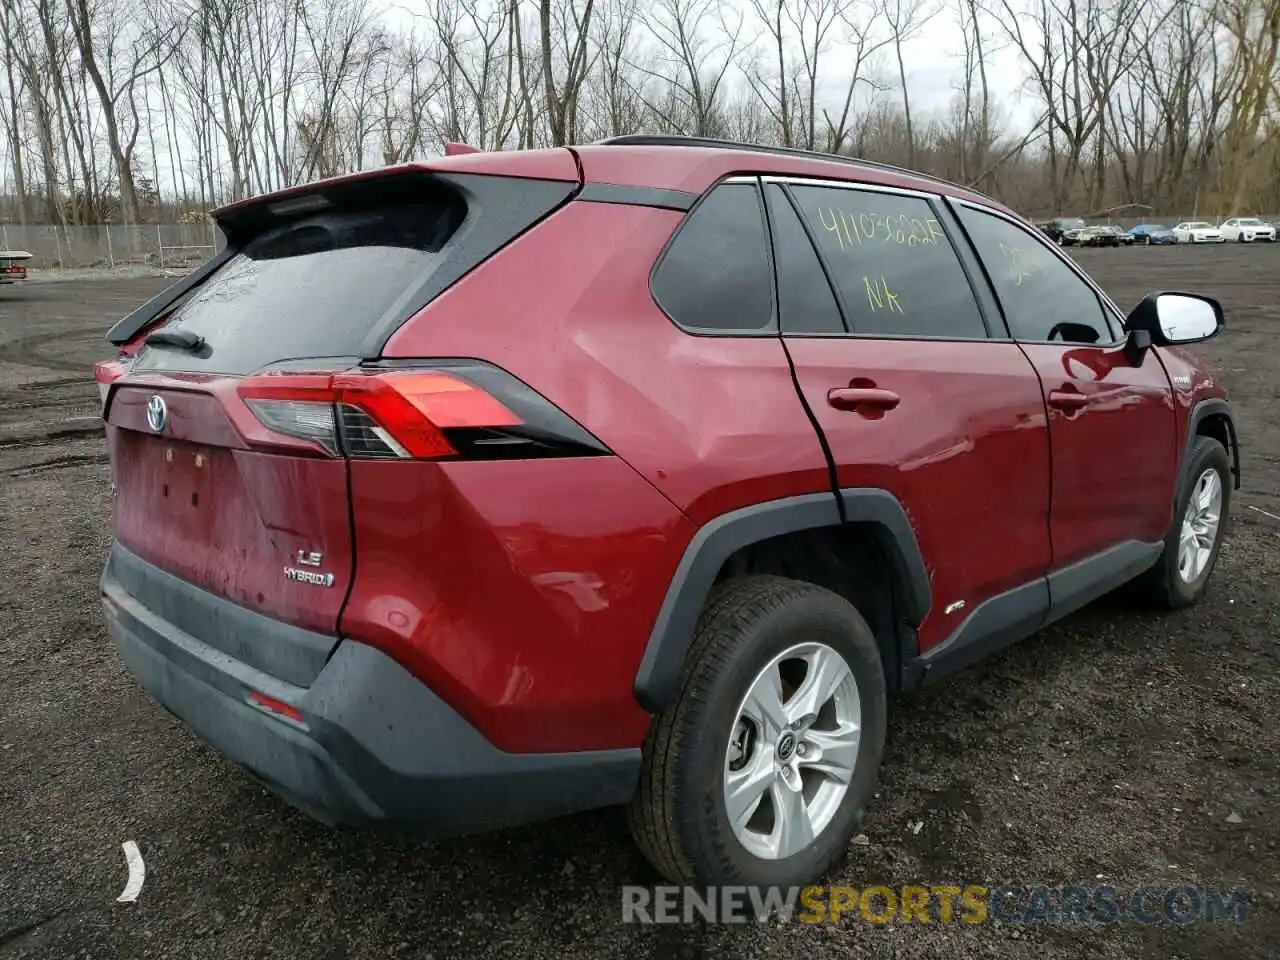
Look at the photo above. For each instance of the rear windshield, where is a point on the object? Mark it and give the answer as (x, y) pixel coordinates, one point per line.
(313, 288)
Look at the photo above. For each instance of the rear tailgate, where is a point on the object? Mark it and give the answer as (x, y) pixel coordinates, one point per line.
(268, 529)
(244, 498)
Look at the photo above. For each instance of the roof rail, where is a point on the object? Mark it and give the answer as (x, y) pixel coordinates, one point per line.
(665, 140)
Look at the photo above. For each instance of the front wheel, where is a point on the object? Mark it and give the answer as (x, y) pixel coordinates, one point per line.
(1191, 547)
(760, 771)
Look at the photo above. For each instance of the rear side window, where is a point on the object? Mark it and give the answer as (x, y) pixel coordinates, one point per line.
(313, 288)
(894, 268)
(714, 275)
(1043, 299)
(806, 303)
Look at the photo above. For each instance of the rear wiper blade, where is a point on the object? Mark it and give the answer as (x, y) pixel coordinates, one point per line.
(182, 339)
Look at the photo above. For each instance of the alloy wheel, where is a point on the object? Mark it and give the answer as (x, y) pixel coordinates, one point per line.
(793, 750)
(1200, 524)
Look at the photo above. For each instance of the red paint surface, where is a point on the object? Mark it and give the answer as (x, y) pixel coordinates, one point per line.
(966, 452)
(524, 592)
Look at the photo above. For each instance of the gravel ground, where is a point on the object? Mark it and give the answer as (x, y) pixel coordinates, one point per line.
(1138, 747)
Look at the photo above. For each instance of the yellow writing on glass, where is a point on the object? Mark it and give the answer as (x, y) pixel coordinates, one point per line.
(880, 297)
(1021, 263)
(855, 229)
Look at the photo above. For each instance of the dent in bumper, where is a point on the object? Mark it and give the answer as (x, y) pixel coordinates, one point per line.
(375, 742)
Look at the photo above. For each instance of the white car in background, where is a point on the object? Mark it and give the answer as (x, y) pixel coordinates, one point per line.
(1197, 231)
(1247, 229)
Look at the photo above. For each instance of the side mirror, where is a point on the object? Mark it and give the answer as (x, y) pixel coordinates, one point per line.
(1174, 318)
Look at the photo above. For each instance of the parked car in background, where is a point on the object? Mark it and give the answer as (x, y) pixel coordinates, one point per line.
(1058, 228)
(1197, 231)
(1248, 229)
(1089, 237)
(1149, 233)
(13, 265)
(1109, 235)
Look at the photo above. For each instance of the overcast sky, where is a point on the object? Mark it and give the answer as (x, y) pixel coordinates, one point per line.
(934, 62)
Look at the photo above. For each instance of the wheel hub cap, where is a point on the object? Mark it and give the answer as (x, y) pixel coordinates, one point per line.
(793, 751)
(1200, 524)
(786, 747)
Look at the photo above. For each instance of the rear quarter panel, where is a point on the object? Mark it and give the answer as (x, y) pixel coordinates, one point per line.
(714, 423)
(526, 591)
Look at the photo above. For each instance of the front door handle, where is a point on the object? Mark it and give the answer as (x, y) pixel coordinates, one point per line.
(862, 398)
(1068, 399)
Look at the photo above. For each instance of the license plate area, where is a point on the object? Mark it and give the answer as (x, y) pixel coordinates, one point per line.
(182, 487)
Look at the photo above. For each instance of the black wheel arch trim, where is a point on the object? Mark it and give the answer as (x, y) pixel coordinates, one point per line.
(658, 676)
(1210, 407)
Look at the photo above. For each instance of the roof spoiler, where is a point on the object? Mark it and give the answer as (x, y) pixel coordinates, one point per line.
(245, 219)
(128, 326)
(525, 192)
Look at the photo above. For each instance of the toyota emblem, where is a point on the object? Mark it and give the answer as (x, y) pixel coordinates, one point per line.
(157, 413)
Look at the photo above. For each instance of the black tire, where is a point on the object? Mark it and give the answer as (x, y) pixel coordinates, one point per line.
(1163, 583)
(678, 816)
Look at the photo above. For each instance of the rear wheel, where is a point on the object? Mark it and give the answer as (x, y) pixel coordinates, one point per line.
(1181, 575)
(761, 769)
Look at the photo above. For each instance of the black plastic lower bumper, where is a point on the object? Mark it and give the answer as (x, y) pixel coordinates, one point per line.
(375, 743)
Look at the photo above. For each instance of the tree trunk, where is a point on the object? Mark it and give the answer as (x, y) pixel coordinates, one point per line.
(83, 25)
(906, 105)
(13, 131)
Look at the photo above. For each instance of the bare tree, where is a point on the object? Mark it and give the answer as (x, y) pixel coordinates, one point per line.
(617, 94)
(572, 28)
(11, 111)
(1254, 28)
(905, 19)
(1077, 53)
(110, 106)
(698, 40)
(863, 40)
(120, 44)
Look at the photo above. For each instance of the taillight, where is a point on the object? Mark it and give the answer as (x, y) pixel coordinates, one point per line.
(454, 409)
(107, 372)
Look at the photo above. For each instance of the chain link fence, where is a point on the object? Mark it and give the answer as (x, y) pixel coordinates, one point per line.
(165, 245)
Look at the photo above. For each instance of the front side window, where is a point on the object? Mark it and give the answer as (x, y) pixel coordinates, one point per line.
(892, 264)
(715, 276)
(1044, 300)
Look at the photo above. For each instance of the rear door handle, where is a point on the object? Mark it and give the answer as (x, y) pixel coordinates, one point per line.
(1068, 399)
(862, 398)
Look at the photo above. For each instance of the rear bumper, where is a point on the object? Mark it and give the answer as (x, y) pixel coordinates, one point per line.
(375, 744)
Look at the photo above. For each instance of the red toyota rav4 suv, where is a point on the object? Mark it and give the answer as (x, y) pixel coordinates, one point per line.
(484, 490)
